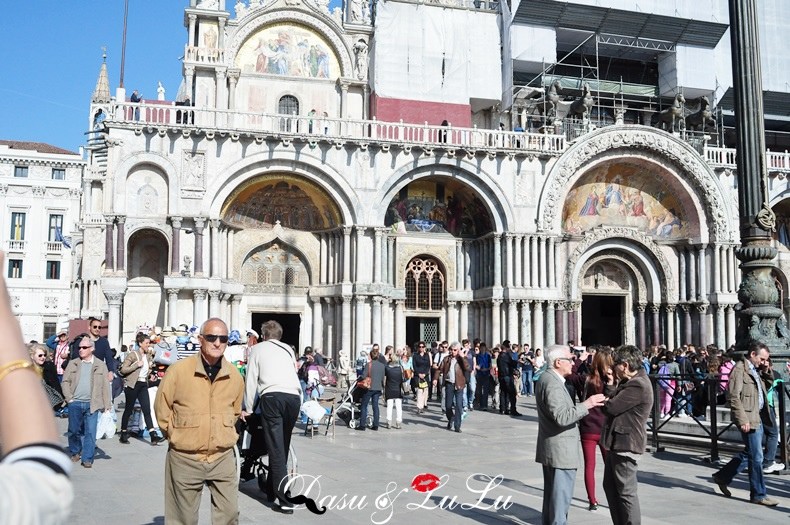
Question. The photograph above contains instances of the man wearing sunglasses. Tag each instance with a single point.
(197, 406)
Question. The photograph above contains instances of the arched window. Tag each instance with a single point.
(424, 285)
(288, 105)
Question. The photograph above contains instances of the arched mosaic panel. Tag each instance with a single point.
(294, 202)
(629, 193)
(438, 206)
(288, 49)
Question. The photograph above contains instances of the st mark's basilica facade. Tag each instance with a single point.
(304, 174)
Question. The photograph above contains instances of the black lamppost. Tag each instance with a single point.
(759, 318)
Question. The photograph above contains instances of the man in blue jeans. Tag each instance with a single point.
(85, 389)
(749, 406)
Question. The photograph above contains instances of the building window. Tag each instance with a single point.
(14, 269)
(288, 105)
(17, 226)
(20, 171)
(53, 270)
(55, 228)
(49, 330)
(58, 174)
(424, 285)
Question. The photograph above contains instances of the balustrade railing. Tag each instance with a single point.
(207, 55)
(54, 247)
(16, 246)
(725, 157)
(331, 129)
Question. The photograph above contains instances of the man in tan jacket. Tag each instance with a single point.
(197, 406)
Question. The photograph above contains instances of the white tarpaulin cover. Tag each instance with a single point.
(436, 53)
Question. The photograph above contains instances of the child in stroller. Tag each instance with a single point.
(349, 406)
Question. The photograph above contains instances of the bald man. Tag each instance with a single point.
(197, 406)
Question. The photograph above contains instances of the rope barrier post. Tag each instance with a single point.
(714, 419)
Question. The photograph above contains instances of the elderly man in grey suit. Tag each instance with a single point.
(558, 436)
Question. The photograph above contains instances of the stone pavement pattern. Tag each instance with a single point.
(125, 485)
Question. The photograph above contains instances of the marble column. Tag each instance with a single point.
(175, 251)
(551, 275)
(467, 266)
(550, 330)
(235, 312)
(497, 260)
(233, 79)
(452, 322)
(670, 337)
(199, 307)
(400, 324)
(200, 224)
(512, 320)
(730, 326)
(655, 309)
(376, 319)
(172, 306)
(561, 332)
(343, 99)
(537, 324)
(346, 255)
(389, 265)
(525, 333)
(225, 308)
(109, 248)
(318, 324)
(533, 262)
(573, 321)
(518, 277)
(114, 301)
(641, 328)
(360, 331)
(345, 324)
(702, 309)
(693, 272)
(464, 320)
(189, 77)
(682, 273)
(377, 258)
(192, 23)
(686, 308)
(721, 337)
(231, 249)
(120, 244)
(542, 262)
(459, 265)
(214, 247)
(213, 304)
(716, 268)
(703, 273)
(496, 317)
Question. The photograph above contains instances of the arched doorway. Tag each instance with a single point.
(145, 299)
(607, 297)
(425, 299)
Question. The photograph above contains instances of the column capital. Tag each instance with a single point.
(344, 299)
(464, 304)
(214, 294)
(120, 219)
(235, 299)
(670, 308)
(719, 307)
(234, 74)
(451, 304)
(192, 18)
(685, 307)
(550, 303)
(378, 301)
(573, 305)
(702, 307)
(189, 70)
(641, 307)
(524, 303)
(359, 299)
(176, 220)
(226, 297)
(400, 303)
(110, 219)
(497, 236)
(496, 302)
(344, 84)
(173, 291)
(200, 223)
(347, 230)
(199, 294)
(114, 298)
(655, 308)
(730, 307)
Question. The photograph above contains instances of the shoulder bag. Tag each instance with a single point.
(365, 382)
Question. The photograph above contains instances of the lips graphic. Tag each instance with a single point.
(425, 482)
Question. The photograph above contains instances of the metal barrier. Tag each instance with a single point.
(710, 426)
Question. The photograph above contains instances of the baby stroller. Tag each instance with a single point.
(349, 405)
(253, 455)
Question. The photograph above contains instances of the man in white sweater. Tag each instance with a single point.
(271, 376)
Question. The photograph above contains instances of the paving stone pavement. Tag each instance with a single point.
(365, 478)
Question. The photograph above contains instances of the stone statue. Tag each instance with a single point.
(361, 52)
(160, 91)
(355, 13)
(187, 271)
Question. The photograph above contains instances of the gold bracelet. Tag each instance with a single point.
(19, 364)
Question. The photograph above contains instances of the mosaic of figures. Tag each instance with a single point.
(292, 202)
(290, 50)
(439, 207)
(626, 193)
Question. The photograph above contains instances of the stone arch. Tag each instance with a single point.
(662, 148)
(329, 180)
(303, 244)
(298, 15)
(274, 266)
(623, 261)
(640, 249)
(429, 280)
(159, 163)
(486, 188)
(147, 265)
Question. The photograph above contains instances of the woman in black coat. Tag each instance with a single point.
(393, 390)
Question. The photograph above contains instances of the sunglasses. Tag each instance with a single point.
(40, 355)
(85, 347)
(212, 338)
(95, 327)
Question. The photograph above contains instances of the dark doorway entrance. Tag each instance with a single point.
(421, 329)
(289, 322)
(602, 319)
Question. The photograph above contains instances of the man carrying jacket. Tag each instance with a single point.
(453, 369)
(749, 407)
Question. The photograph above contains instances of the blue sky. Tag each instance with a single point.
(50, 54)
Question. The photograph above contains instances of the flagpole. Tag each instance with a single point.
(123, 41)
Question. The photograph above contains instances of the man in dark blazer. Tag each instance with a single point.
(558, 445)
(624, 435)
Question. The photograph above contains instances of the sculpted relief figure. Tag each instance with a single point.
(361, 52)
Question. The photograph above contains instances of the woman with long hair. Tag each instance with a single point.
(135, 370)
(600, 380)
(39, 354)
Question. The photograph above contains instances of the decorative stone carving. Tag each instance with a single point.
(15, 302)
(193, 174)
(595, 235)
(50, 302)
(655, 308)
(114, 298)
(39, 191)
(200, 295)
(662, 146)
